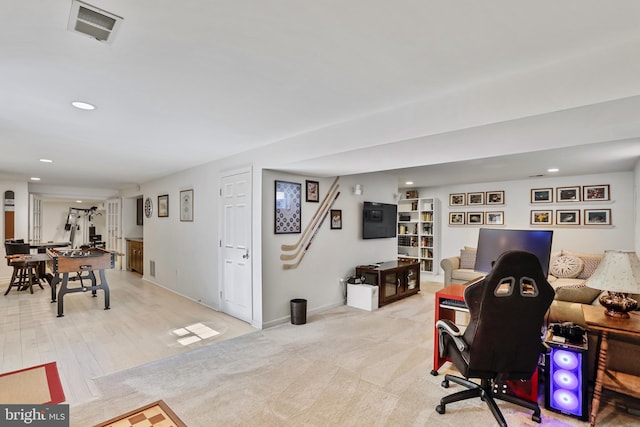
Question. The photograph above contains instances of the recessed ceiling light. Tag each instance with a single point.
(78, 201)
(35, 178)
(553, 170)
(409, 182)
(83, 105)
(46, 160)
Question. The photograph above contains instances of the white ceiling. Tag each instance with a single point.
(188, 82)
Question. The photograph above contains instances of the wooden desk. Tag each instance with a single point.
(598, 322)
(445, 311)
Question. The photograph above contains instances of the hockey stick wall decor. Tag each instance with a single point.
(315, 218)
(310, 230)
(296, 264)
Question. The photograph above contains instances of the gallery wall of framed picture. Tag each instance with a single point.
(571, 203)
(483, 206)
(570, 206)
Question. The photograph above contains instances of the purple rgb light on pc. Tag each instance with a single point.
(566, 381)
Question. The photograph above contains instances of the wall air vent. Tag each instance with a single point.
(93, 22)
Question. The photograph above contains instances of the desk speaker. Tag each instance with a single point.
(566, 380)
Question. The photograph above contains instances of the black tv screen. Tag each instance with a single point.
(379, 220)
(492, 242)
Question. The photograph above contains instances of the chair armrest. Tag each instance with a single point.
(448, 327)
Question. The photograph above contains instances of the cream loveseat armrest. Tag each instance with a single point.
(448, 265)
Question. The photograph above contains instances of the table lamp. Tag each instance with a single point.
(619, 274)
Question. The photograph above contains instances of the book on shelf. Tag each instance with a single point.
(427, 216)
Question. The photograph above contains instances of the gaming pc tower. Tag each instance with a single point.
(566, 378)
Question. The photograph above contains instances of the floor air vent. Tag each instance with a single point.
(152, 268)
(93, 22)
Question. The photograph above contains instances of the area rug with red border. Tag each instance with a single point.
(35, 385)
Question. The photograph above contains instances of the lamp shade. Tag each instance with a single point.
(619, 271)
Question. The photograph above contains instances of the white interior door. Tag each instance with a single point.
(114, 227)
(235, 245)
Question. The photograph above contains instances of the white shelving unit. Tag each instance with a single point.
(418, 232)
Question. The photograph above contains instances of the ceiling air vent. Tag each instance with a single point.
(93, 22)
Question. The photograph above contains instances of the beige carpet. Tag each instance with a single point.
(345, 367)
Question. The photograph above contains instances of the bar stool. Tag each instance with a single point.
(24, 272)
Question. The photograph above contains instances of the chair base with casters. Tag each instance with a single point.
(488, 391)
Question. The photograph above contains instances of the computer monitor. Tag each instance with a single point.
(492, 242)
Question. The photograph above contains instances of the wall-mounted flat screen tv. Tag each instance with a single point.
(492, 242)
(379, 220)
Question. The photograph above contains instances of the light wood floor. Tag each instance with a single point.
(89, 342)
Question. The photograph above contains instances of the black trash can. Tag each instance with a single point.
(298, 311)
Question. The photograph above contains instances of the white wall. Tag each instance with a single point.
(185, 253)
(21, 221)
(517, 207)
(333, 254)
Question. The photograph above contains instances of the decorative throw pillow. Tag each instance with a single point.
(590, 265)
(582, 295)
(468, 258)
(553, 257)
(566, 266)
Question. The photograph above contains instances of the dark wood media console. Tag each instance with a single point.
(395, 279)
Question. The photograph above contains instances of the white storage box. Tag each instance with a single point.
(363, 296)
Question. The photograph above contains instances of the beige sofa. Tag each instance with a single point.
(568, 272)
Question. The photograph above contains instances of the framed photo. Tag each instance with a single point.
(597, 216)
(287, 207)
(568, 194)
(542, 217)
(568, 217)
(163, 206)
(475, 199)
(457, 199)
(542, 195)
(595, 192)
(456, 218)
(336, 219)
(313, 191)
(186, 205)
(475, 218)
(494, 218)
(495, 197)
